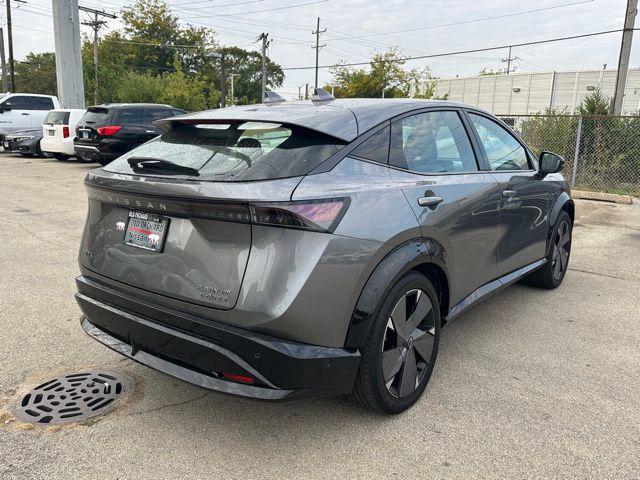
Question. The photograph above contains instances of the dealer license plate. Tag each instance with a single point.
(146, 231)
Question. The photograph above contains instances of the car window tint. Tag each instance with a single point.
(57, 118)
(432, 142)
(238, 151)
(131, 116)
(375, 148)
(154, 114)
(18, 102)
(95, 116)
(503, 151)
(40, 103)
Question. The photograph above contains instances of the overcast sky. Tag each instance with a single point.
(358, 28)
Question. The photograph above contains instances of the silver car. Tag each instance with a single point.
(314, 248)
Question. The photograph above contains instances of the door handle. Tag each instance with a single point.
(508, 193)
(150, 131)
(429, 201)
(25, 113)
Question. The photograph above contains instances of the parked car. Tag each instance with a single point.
(58, 132)
(24, 111)
(26, 143)
(107, 131)
(315, 248)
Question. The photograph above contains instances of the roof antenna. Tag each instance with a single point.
(321, 95)
(272, 97)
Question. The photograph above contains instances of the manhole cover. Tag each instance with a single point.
(73, 398)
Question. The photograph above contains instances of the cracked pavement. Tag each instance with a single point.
(530, 384)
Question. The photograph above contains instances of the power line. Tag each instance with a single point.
(461, 52)
(96, 25)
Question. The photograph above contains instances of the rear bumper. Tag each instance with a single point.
(57, 145)
(199, 351)
(96, 151)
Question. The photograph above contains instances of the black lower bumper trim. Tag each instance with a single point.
(281, 369)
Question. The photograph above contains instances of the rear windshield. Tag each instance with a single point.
(95, 116)
(238, 151)
(57, 118)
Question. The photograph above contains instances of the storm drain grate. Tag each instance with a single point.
(73, 398)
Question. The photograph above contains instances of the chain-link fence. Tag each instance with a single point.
(602, 153)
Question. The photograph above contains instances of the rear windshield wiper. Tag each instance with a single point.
(150, 163)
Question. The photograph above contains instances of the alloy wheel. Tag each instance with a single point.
(408, 343)
(561, 249)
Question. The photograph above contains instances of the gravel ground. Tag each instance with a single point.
(530, 384)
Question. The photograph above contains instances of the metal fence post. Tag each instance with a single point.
(577, 153)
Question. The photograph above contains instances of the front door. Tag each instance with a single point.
(18, 117)
(455, 203)
(524, 206)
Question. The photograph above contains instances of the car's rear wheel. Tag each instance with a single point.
(553, 272)
(401, 349)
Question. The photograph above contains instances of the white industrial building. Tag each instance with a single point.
(530, 93)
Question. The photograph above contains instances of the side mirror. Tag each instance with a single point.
(550, 163)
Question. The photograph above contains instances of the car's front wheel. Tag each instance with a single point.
(553, 272)
(400, 351)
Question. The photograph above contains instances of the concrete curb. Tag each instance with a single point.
(603, 197)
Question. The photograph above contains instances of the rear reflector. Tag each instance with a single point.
(238, 378)
(319, 215)
(108, 130)
(65, 131)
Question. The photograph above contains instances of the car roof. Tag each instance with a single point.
(132, 105)
(28, 94)
(345, 119)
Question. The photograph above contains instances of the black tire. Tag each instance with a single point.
(60, 157)
(104, 161)
(385, 342)
(551, 275)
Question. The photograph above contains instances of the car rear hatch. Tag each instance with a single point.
(93, 124)
(175, 215)
(56, 125)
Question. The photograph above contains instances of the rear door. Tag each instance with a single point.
(39, 108)
(54, 123)
(455, 202)
(87, 128)
(525, 199)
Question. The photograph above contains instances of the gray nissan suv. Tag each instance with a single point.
(289, 250)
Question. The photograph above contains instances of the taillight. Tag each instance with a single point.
(65, 131)
(108, 131)
(238, 378)
(317, 215)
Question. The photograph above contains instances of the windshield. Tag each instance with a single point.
(57, 118)
(238, 151)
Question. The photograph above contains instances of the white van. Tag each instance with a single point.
(24, 111)
(59, 130)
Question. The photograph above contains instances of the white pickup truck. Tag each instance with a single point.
(24, 111)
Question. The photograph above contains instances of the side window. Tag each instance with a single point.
(131, 116)
(17, 102)
(503, 151)
(40, 103)
(154, 114)
(432, 142)
(375, 148)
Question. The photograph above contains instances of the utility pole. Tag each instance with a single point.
(95, 24)
(306, 91)
(66, 32)
(265, 44)
(625, 52)
(317, 33)
(223, 80)
(10, 40)
(232, 92)
(508, 61)
(5, 87)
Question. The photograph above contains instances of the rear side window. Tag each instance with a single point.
(57, 118)
(432, 142)
(40, 103)
(375, 148)
(238, 151)
(130, 116)
(154, 114)
(95, 116)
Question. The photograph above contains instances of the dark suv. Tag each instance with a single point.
(107, 131)
(315, 248)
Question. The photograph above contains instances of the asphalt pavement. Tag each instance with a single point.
(530, 384)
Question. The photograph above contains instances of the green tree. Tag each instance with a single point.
(183, 91)
(384, 77)
(596, 103)
(37, 74)
(489, 72)
(140, 88)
